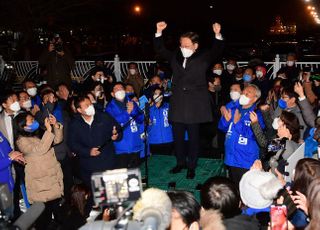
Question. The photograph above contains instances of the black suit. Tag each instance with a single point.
(190, 103)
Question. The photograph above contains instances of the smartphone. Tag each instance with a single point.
(278, 217)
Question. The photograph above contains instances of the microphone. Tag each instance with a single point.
(30, 216)
(153, 209)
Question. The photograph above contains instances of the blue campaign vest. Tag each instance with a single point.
(160, 130)
(5, 167)
(131, 141)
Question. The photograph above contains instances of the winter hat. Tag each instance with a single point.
(258, 188)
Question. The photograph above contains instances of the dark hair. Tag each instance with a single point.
(78, 197)
(27, 80)
(78, 100)
(46, 92)
(96, 69)
(94, 85)
(220, 193)
(292, 123)
(61, 84)
(6, 96)
(313, 200)
(118, 83)
(186, 205)
(19, 122)
(194, 37)
(133, 63)
(306, 171)
(289, 91)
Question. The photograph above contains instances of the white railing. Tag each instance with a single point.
(29, 69)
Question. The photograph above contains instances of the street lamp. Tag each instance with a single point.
(137, 9)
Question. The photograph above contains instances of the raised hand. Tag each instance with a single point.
(129, 107)
(161, 26)
(47, 124)
(298, 88)
(253, 117)
(237, 116)
(227, 115)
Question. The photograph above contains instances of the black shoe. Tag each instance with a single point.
(191, 173)
(177, 169)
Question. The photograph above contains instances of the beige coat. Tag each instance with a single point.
(43, 174)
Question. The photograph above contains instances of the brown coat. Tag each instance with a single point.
(43, 174)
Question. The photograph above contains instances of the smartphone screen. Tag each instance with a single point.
(278, 217)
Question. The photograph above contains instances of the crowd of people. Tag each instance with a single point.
(54, 136)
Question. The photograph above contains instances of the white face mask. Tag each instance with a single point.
(120, 95)
(132, 71)
(15, 107)
(259, 74)
(0, 108)
(157, 98)
(290, 63)
(275, 123)
(234, 95)
(90, 111)
(186, 52)
(217, 71)
(32, 91)
(27, 104)
(244, 100)
(231, 67)
(102, 80)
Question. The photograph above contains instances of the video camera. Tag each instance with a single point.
(116, 186)
(275, 160)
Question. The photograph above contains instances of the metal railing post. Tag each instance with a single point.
(276, 66)
(117, 67)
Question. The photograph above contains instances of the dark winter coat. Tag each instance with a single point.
(190, 100)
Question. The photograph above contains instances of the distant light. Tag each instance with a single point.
(309, 7)
(307, 0)
(211, 6)
(137, 9)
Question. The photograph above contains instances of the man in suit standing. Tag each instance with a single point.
(190, 102)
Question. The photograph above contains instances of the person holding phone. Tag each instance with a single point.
(43, 173)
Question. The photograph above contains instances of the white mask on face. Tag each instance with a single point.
(234, 95)
(32, 91)
(90, 111)
(186, 52)
(132, 71)
(259, 74)
(27, 104)
(290, 63)
(275, 123)
(244, 100)
(120, 95)
(0, 108)
(102, 80)
(231, 67)
(15, 107)
(157, 98)
(217, 71)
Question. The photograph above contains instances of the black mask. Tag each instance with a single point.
(50, 106)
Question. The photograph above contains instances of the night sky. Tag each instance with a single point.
(237, 16)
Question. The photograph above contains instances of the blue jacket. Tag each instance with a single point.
(160, 130)
(83, 137)
(5, 162)
(241, 148)
(131, 126)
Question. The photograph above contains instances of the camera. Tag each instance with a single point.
(58, 47)
(116, 186)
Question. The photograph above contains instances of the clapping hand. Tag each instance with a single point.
(114, 134)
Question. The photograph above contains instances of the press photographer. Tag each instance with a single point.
(56, 62)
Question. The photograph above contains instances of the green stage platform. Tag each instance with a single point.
(159, 176)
